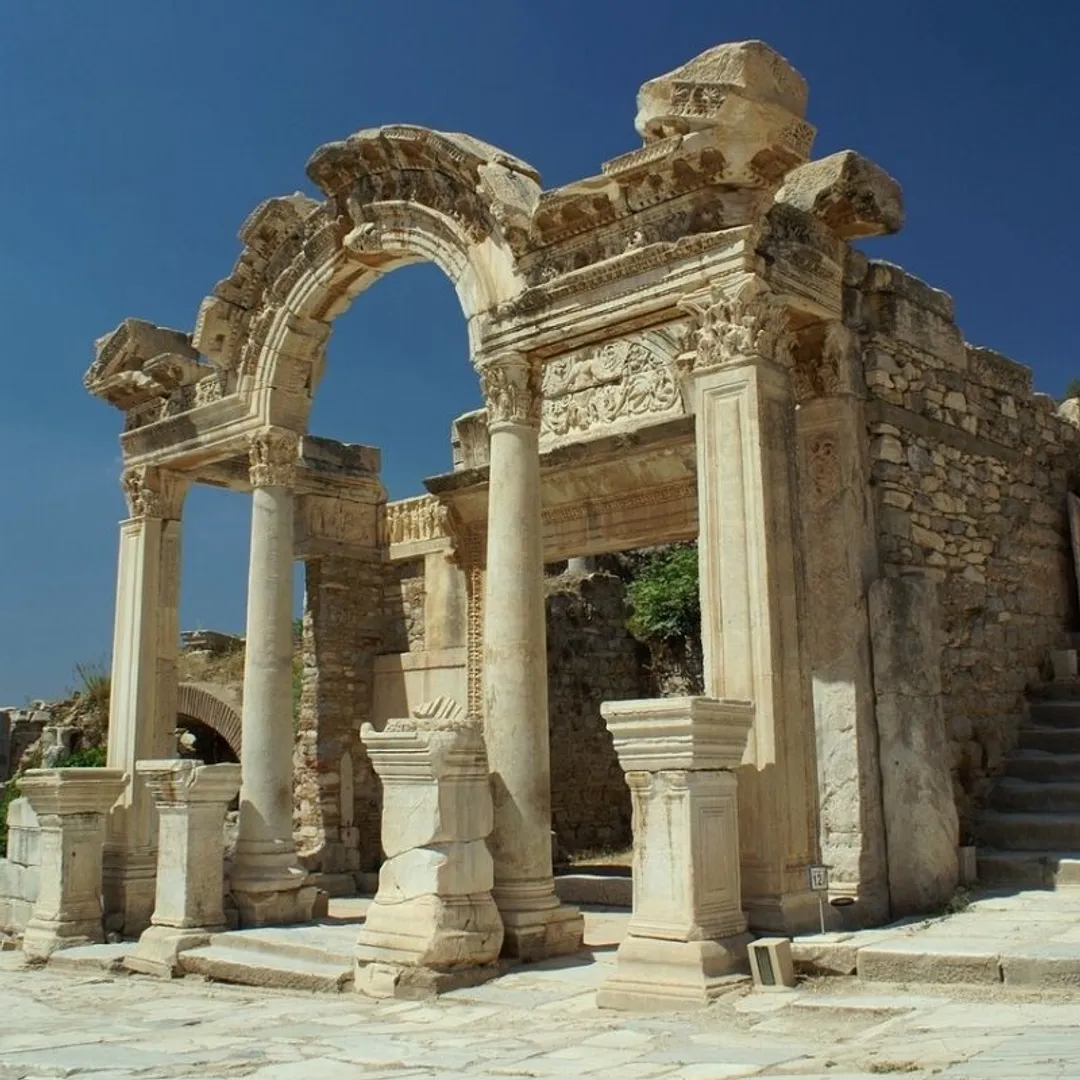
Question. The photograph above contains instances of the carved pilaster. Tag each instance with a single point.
(512, 392)
(153, 492)
(273, 455)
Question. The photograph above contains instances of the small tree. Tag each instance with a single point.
(1072, 389)
(664, 597)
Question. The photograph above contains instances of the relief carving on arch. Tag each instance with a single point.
(607, 386)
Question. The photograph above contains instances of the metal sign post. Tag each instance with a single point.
(818, 880)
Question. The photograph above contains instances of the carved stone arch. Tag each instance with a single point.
(395, 195)
(205, 706)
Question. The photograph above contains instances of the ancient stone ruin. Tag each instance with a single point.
(685, 346)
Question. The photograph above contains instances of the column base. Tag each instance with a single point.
(531, 935)
(159, 949)
(275, 906)
(433, 932)
(128, 884)
(418, 983)
(656, 975)
(43, 937)
(785, 915)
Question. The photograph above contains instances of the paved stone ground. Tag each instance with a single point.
(538, 1021)
(1028, 937)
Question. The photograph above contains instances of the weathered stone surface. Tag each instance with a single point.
(852, 195)
(921, 823)
(70, 805)
(434, 908)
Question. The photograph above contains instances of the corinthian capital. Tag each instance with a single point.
(749, 323)
(511, 389)
(152, 492)
(273, 455)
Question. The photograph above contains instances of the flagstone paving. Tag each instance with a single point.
(538, 1021)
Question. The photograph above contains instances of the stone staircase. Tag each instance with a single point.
(1030, 834)
(316, 956)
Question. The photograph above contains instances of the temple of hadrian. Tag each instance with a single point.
(688, 345)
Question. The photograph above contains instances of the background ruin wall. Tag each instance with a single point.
(969, 473)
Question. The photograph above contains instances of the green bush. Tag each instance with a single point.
(89, 757)
(663, 595)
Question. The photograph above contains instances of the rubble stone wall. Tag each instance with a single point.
(970, 469)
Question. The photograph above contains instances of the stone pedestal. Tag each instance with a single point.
(268, 883)
(71, 805)
(687, 933)
(515, 671)
(143, 704)
(191, 800)
(433, 924)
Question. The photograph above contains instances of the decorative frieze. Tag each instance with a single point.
(602, 387)
(413, 520)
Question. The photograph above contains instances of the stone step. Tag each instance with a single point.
(1039, 869)
(1051, 739)
(1010, 831)
(1063, 690)
(320, 943)
(1040, 765)
(1011, 793)
(1055, 713)
(591, 887)
(251, 967)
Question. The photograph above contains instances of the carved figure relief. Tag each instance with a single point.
(423, 518)
(599, 387)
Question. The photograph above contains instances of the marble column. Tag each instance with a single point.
(754, 629)
(268, 882)
(515, 670)
(71, 805)
(143, 700)
(191, 800)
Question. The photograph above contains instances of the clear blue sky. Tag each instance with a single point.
(135, 137)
